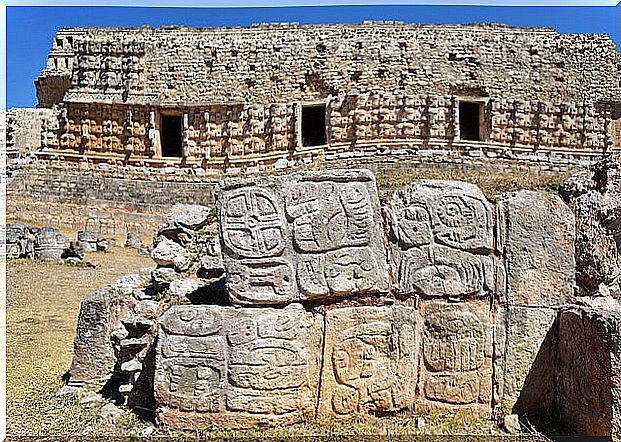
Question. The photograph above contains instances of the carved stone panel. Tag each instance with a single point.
(302, 237)
(442, 240)
(237, 367)
(370, 360)
(456, 357)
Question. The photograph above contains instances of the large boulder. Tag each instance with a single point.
(589, 370)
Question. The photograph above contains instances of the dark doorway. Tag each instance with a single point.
(314, 125)
(470, 119)
(171, 136)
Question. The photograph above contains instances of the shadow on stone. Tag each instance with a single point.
(537, 400)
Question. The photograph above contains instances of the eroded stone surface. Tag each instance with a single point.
(189, 215)
(537, 238)
(238, 367)
(456, 354)
(589, 377)
(370, 360)
(301, 237)
(441, 240)
(99, 324)
(596, 198)
(525, 342)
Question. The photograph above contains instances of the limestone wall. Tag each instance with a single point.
(111, 197)
(279, 63)
(24, 129)
(110, 202)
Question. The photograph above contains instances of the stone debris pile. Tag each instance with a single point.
(47, 244)
(336, 305)
(595, 196)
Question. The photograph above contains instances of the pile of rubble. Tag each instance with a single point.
(120, 319)
(47, 244)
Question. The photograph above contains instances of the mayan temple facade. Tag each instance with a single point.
(245, 98)
(134, 120)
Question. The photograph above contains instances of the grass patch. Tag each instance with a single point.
(43, 300)
(491, 183)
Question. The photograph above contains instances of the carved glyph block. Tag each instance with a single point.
(441, 240)
(301, 237)
(456, 360)
(370, 360)
(236, 367)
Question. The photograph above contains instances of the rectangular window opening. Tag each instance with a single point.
(314, 125)
(171, 136)
(471, 121)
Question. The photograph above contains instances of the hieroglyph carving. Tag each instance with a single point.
(442, 240)
(370, 360)
(236, 366)
(302, 236)
(457, 353)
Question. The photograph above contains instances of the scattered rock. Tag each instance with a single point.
(161, 277)
(91, 399)
(49, 245)
(189, 215)
(420, 422)
(75, 250)
(168, 253)
(147, 431)
(69, 390)
(511, 424)
(185, 287)
(103, 245)
(88, 240)
(133, 240)
(110, 413)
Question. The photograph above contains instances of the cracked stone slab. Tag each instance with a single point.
(537, 237)
(589, 371)
(306, 236)
(237, 367)
(524, 341)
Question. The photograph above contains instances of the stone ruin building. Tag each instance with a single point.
(166, 112)
(309, 297)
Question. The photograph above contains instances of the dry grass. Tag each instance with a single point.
(492, 183)
(42, 306)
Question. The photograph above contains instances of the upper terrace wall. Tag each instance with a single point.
(284, 63)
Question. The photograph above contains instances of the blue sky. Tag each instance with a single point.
(29, 30)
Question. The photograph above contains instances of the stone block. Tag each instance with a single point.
(456, 355)
(237, 367)
(524, 343)
(589, 371)
(441, 240)
(537, 239)
(310, 236)
(369, 361)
